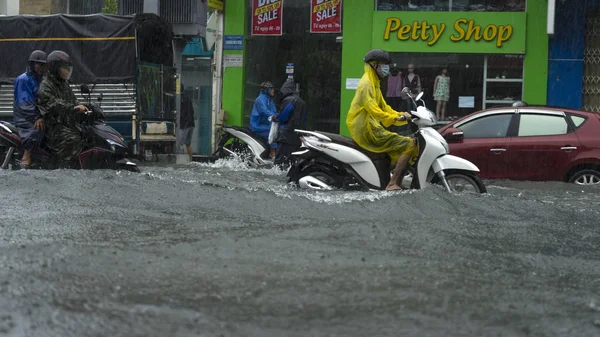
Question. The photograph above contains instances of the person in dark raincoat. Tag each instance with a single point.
(264, 107)
(60, 109)
(25, 112)
(293, 116)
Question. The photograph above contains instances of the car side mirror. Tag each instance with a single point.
(454, 135)
(84, 89)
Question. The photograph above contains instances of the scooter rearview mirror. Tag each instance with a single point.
(84, 89)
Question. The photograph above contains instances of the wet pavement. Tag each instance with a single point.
(222, 250)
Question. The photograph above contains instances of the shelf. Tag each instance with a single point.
(508, 80)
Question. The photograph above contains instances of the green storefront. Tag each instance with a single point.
(495, 52)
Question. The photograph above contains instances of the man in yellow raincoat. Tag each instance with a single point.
(369, 116)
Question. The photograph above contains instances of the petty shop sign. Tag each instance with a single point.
(267, 17)
(326, 16)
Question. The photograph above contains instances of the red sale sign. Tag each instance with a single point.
(267, 17)
(326, 16)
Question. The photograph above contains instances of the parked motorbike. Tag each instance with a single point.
(104, 147)
(239, 142)
(330, 161)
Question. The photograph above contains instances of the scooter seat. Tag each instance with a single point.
(349, 142)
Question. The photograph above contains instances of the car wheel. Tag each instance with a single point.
(586, 177)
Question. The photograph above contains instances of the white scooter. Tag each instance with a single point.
(330, 161)
(242, 143)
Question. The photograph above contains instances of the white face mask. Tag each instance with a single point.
(384, 70)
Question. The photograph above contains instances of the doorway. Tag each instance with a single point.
(196, 76)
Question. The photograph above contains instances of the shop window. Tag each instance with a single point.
(542, 125)
(503, 80)
(465, 73)
(452, 5)
(316, 60)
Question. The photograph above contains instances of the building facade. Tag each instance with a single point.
(9, 7)
(574, 65)
(495, 52)
(45, 7)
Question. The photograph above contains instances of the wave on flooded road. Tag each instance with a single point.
(221, 249)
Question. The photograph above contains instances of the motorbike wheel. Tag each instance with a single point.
(130, 168)
(11, 164)
(320, 173)
(465, 182)
(227, 150)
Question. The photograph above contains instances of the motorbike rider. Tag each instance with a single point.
(25, 112)
(264, 107)
(369, 116)
(293, 116)
(60, 109)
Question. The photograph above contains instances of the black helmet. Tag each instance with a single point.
(378, 55)
(519, 103)
(37, 56)
(58, 59)
(266, 85)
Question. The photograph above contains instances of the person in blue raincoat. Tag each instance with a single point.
(264, 107)
(25, 112)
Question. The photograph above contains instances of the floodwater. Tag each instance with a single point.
(223, 250)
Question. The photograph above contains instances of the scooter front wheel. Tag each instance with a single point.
(465, 182)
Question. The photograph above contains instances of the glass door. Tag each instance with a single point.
(197, 79)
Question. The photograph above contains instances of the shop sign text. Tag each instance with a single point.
(326, 16)
(267, 17)
(463, 30)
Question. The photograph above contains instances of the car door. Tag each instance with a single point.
(543, 146)
(485, 142)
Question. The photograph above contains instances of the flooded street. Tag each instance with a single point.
(222, 250)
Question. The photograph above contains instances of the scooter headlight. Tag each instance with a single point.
(432, 117)
(114, 145)
(112, 142)
(441, 139)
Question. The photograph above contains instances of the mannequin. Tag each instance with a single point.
(394, 87)
(413, 82)
(441, 89)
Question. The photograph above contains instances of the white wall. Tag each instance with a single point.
(9, 7)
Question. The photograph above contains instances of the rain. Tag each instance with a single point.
(161, 239)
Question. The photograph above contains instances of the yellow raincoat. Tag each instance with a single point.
(367, 114)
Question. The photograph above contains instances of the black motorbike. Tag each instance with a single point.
(103, 148)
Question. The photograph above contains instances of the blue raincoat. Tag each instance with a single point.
(25, 111)
(263, 108)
